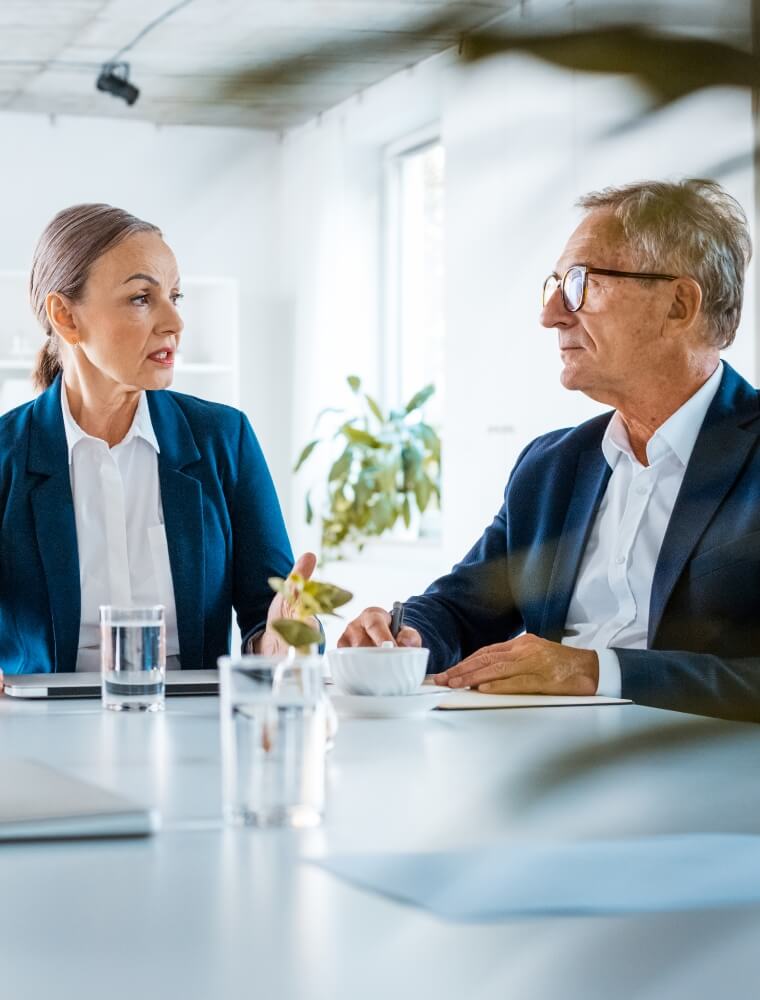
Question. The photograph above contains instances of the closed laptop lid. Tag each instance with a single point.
(82, 684)
(41, 802)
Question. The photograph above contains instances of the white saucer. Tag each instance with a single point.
(398, 706)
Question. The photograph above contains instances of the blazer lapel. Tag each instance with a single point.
(55, 524)
(591, 478)
(182, 502)
(719, 453)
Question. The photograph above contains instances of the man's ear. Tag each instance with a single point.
(61, 317)
(687, 302)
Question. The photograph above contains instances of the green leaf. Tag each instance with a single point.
(374, 408)
(354, 382)
(419, 398)
(381, 514)
(429, 438)
(325, 411)
(305, 453)
(341, 467)
(309, 509)
(327, 596)
(296, 633)
(356, 436)
(277, 584)
(406, 511)
(411, 461)
(422, 490)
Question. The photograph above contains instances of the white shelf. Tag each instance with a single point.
(24, 365)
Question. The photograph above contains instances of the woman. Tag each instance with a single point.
(116, 491)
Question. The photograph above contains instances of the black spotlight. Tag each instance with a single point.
(114, 79)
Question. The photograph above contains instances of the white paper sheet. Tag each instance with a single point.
(477, 699)
(642, 875)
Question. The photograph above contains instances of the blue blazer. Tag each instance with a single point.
(224, 530)
(703, 650)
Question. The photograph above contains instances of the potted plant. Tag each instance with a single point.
(386, 468)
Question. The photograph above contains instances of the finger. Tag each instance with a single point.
(377, 625)
(488, 672)
(357, 631)
(354, 637)
(408, 637)
(305, 565)
(486, 657)
(518, 684)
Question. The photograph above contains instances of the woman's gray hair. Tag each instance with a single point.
(71, 243)
(691, 228)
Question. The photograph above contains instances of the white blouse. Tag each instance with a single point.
(121, 539)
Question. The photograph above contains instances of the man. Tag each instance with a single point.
(626, 557)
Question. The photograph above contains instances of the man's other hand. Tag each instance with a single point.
(526, 665)
(373, 628)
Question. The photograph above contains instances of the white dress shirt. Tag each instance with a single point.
(610, 603)
(121, 540)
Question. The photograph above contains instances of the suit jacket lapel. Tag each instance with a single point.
(720, 451)
(182, 501)
(55, 524)
(591, 478)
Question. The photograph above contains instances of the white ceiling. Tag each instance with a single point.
(255, 63)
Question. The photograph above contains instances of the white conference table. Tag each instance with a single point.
(203, 912)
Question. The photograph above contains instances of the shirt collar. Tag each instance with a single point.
(677, 435)
(141, 427)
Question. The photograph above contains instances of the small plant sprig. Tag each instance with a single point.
(305, 599)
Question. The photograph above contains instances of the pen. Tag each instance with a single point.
(397, 618)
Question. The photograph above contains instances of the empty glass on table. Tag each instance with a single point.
(273, 740)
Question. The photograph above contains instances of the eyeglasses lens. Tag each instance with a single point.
(550, 287)
(572, 288)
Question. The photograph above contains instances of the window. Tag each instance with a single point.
(413, 346)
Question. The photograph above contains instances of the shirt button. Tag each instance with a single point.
(620, 560)
(642, 491)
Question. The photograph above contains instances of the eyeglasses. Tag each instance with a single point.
(574, 281)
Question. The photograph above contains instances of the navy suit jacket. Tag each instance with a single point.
(703, 649)
(224, 530)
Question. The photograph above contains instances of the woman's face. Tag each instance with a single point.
(127, 321)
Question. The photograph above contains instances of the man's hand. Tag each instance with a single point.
(526, 665)
(372, 628)
(269, 642)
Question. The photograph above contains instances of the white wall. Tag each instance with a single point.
(522, 142)
(214, 193)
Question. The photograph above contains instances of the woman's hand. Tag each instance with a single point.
(269, 643)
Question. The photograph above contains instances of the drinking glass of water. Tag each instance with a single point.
(133, 658)
(273, 740)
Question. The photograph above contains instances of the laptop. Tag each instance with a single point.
(82, 684)
(38, 802)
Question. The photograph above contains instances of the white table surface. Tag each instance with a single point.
(203, 912)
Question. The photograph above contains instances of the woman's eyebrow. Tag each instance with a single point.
(141, 277)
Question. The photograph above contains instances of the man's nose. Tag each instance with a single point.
(554, 313)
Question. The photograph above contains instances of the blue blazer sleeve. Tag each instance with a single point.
(260, 542)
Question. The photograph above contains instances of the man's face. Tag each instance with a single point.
(618, 333)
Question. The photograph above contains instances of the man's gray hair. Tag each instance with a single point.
(692, 228)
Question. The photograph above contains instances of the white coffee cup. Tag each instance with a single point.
(378, 670)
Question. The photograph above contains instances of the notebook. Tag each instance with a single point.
(38, 802)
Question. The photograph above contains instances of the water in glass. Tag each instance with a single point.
(133, 658)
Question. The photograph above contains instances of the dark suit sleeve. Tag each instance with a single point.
(473, 605)
(700, 683)
(260, 542)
